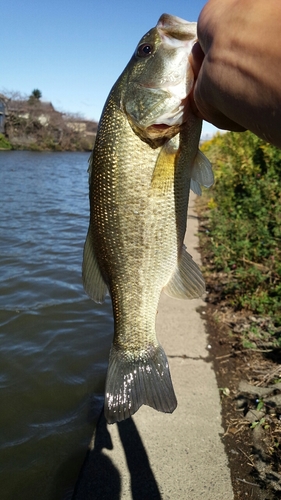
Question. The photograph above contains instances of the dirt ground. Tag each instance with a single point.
(250, 387)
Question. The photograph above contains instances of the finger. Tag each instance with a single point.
(201, 106)
(196, 58)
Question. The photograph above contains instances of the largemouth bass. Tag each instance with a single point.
(143, 163)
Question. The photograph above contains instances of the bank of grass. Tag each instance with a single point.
(4, 143)
(242, 227)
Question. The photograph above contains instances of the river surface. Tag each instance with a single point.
(54, 341)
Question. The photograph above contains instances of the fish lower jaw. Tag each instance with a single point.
(175, 30)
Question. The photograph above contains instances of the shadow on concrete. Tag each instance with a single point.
(100, 479)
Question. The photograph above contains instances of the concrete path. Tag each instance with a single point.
(161, 456)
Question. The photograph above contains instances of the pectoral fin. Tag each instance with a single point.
(201, 173)
(187, 281)
(164, 171)
(93, 281)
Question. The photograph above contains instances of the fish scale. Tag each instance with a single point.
(140, 178)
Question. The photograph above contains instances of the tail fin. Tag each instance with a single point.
(132, 382)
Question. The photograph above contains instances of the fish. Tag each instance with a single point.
(144, 162)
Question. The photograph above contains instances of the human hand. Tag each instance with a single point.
(209, 95)
(237, 66)
(202, 104)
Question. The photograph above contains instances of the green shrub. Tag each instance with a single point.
(245, 220)
(4, 143)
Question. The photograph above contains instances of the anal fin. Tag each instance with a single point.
(201, 173)
(187, 281)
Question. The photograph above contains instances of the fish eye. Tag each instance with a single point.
(144, 50)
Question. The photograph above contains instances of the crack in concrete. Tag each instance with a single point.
(184, 356)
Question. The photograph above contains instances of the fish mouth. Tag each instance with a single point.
(176, 29)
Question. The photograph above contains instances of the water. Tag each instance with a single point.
(54, 341)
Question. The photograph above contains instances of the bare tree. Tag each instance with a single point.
(31, 123)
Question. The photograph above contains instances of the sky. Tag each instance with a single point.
(73, 52)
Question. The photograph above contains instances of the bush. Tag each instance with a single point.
(4, 143)
(244, 211)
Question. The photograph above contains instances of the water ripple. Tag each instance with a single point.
(54, 341)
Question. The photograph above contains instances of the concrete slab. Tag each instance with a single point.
(162, 456)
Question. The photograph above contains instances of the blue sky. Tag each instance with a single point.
(74, 51)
